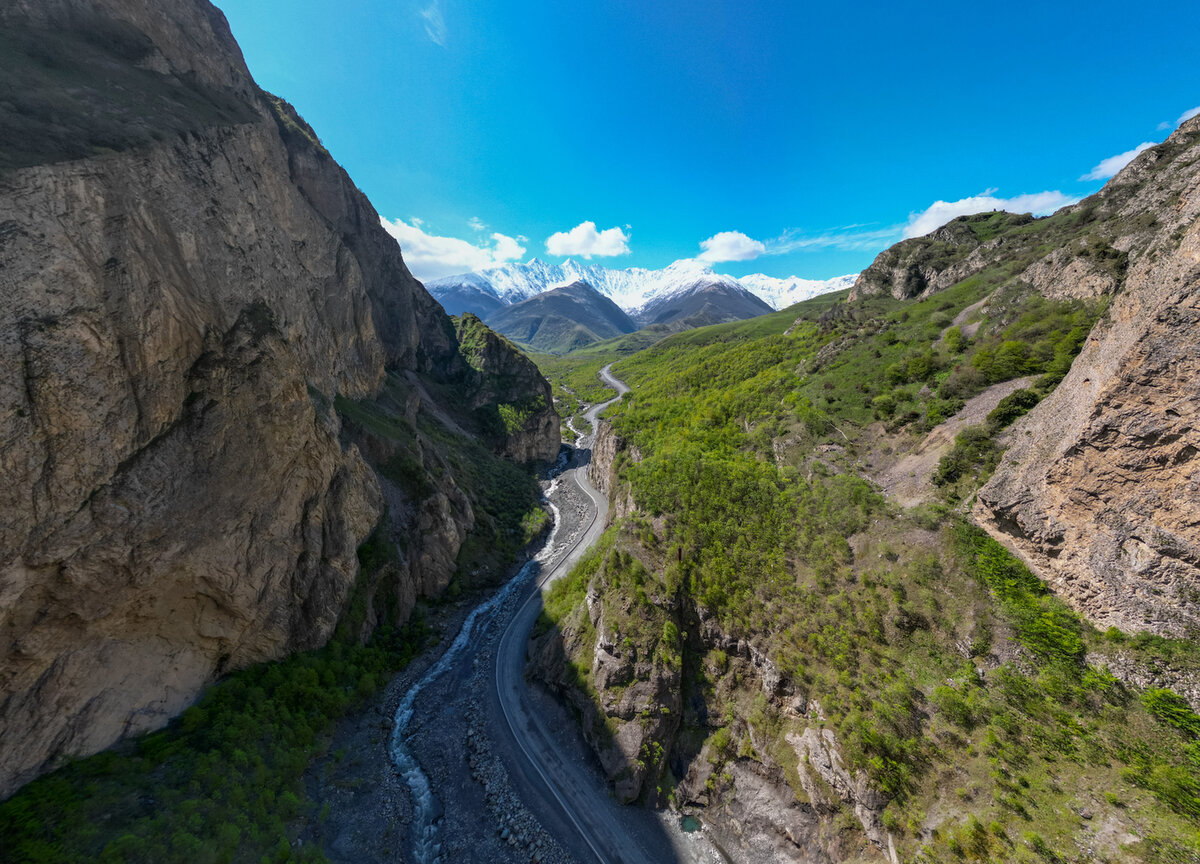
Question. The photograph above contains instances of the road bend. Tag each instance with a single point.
(585, 806)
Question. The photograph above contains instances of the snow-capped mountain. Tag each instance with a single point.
(633, 289)
(782, 293)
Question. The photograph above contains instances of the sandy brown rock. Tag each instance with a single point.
(179, 498)
(602, 470)
(1099, 491)
(1064, 274)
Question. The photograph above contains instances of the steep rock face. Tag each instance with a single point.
(636, 679)
(1098, 490)
(512, 398)
(925, 265)
(179, 311)
(606, 444)
(602, 468)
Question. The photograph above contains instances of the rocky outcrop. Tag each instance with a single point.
(182, 306)
(602, 470)
(607, 445)
(1097, 492)
(631, 715)
(925, 265)
(1080, 252)
(512, 399)
(1064, 273)
(818, 752)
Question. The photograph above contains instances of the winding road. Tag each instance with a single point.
(588, 809)
(478, 746)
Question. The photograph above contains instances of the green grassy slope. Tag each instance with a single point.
(949, 674)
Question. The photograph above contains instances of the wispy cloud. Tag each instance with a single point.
(731, 246)
(736, 246)
(477, 224)
(1183, 118)
(939, 213)
(430, 256)
(435, 24)
(585, 241)
(1113, 164)
(847, 238)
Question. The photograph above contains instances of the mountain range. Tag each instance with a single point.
(562, 319)
(636, 290)
(683, 295)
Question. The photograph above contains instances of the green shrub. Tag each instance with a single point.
(974, 454)
(1012, 406)
(1169, 707)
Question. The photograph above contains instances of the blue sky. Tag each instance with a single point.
(782, 138)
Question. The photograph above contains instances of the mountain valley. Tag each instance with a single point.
(684, 295)
(304, 560)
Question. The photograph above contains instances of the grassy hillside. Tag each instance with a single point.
(949, 675)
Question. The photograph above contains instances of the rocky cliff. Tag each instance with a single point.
(191, 284)
(1097, 491)
(607, 447)
(507, 394)
(636, 661)
(1094, 492)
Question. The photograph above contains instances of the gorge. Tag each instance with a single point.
(296, 567)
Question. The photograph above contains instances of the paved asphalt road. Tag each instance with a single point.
(568, 787)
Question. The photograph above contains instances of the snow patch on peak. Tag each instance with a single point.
(781, 293)
(634, 287)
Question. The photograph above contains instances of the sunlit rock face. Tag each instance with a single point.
(186, 290)
(1100, 489)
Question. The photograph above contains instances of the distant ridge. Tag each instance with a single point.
(562, 319)
(635, 290)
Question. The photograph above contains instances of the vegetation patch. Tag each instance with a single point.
(223, 782)
(948, 672)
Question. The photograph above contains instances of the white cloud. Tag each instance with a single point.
(1110, 166)
(939, 213)
(477, 224)
(731, 246)
(506, 248)
(848, 238)
(1183, 118)
(435, 24)
(431, 257)
(584, 240)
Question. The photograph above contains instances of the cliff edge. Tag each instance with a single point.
(1097, 490)
(191, 284)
